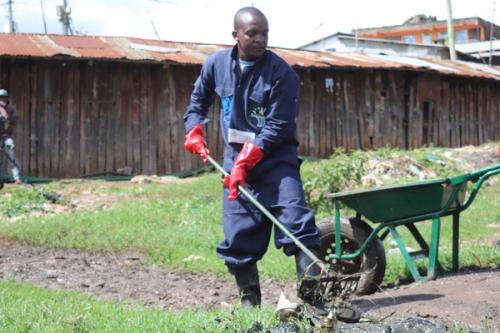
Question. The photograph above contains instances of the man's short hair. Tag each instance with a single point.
(245, 10)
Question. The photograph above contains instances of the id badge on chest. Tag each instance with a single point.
(237, 136)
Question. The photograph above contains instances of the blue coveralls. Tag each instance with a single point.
(258, 105)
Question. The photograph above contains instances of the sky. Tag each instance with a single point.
(292, 23)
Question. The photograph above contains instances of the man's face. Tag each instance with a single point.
(251, 37)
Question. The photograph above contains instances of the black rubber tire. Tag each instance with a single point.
(353, 234)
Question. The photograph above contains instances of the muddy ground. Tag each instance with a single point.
(468, 299)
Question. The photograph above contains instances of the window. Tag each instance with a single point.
(329, 84)
(409, 38)
(442, 37)
(474, 34)
(427, 38)
(461, 36)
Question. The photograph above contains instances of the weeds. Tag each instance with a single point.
(21, 200)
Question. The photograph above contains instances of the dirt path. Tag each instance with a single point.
(121, 277)
(471, 300)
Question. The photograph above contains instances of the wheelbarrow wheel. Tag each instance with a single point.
(370, 265)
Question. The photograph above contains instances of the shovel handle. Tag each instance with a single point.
(270, 216)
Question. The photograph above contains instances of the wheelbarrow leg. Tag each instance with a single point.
(456, 221)
(406, 255)
(434, 248)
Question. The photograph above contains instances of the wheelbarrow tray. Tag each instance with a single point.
(395, 206)
(396, 202)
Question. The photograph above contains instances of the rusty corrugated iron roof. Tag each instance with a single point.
(137, 49)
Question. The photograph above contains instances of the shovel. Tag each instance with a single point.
(275, 221)
(340, 312)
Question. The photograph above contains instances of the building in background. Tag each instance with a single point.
(342, 42)
(487, 52)
(91, 105)
(428, 30)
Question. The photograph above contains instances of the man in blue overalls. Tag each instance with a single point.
(258, 92)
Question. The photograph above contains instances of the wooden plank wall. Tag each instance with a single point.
(368, 109)
(80, 118)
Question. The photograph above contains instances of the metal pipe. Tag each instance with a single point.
(277, 223)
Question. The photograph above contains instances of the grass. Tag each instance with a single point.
(178, 226)
(21, 201)
(24, 308)
(169, 223)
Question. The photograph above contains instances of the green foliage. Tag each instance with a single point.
(21, 200)
(344, 171)
(178, 225)
(24, 308)
(332, 175)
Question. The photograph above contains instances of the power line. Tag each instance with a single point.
(187, 4)
(154, 29)
(27, 2)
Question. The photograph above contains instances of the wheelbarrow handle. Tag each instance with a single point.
(277, 223)
(479, 177)
(488, 171)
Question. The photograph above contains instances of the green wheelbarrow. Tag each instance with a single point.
(361, 250)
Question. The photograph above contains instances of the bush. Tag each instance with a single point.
(332, 175)
(21, 200)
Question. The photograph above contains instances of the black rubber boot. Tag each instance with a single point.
(304, 266)
(306, 274)
(247, 280)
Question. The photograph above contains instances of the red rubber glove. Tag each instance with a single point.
(195, 142)
(248, 157)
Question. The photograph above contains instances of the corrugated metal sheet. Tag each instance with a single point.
(136, 49)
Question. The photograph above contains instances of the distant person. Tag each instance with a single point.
(259, 101)
(8, 121)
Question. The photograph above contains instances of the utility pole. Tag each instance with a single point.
(492, 27)
(42, 6)
(12, 25)
(64, 17)
(451, 32)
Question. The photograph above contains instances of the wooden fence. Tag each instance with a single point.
(80, 117)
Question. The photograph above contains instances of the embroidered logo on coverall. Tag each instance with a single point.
(259, 114)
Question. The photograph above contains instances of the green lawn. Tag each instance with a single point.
(170, 222)
(24, 308)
